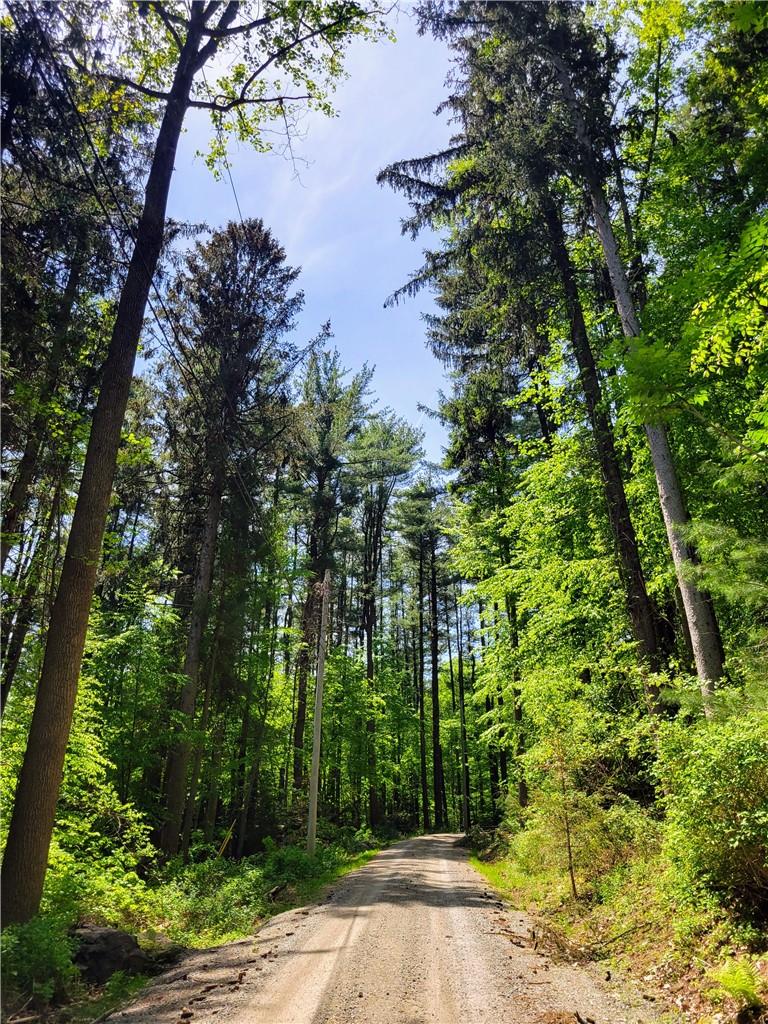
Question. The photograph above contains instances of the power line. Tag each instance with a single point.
(225, 157)
(168, 347)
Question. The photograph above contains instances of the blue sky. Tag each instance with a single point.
(335, 221)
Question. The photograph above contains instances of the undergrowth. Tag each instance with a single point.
(199, 904)
(674, 893)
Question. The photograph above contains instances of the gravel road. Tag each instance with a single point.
(414, 937)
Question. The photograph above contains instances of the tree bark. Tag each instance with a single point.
(419, 671)
(641, 611)
(465, 821)
(193, 800)
(699, 612)
(26, 607)
(438, 781)
(178, 758)
(18, 495)
(212, 797)
(34, 810)
(317, 725)
(373, 520)
(302, 671)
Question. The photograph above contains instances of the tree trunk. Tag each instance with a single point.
(372, 525)
(437, 750)
(302, 671)
(465, 822)
(700, 614)
(641, 611)
(25, 472)
(517, 711)
(34, 811)
(178, 758)
(193, 800)
(212, 797)
(317, 730)
(419, 672)
(25, 610)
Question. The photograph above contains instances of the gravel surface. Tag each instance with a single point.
(414, 937)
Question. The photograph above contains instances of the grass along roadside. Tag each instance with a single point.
(196, 906)
(692, 961)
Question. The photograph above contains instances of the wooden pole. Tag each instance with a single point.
(314, 779)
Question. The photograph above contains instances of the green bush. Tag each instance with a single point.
(351, 839)
(603, 838)
(715, 781)
(37, 960)
(211, 901)
(363, 839)
(96, 891)
(290, 863)
(197, 904)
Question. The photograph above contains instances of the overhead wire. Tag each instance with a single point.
(185, 369)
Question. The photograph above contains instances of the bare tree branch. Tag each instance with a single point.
(226, 107)
(167, 20)
(222, 33)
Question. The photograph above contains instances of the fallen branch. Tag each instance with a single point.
(628, 931)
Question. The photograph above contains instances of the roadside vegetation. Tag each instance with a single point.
(670, 894)
(170, 907)
(556, 642)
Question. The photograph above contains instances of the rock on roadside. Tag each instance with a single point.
(103, 951)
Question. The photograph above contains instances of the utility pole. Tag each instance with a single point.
(314, 779)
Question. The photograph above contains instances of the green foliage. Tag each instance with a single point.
(212, 901)
(605, 776)
(603, 838)
(37, 960)
(198, 904)
(739, 980)
(218, 899)
(715, 783)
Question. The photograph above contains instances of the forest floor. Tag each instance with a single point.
(414, 937)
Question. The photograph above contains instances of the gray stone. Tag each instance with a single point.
(103, 951)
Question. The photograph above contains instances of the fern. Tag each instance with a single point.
(738, 979)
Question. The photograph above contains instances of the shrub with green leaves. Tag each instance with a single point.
(37, 961)
(602, 837)
(715, 781)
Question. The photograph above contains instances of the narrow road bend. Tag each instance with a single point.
(414, 937)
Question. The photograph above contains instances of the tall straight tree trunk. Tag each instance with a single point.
(642, 613)
(702, 624)
(450, 657)
(212, 796)
(34, 809)
(478, 740)
(419, 672)
(374, 802)
(493, 750)
(253, 775)
(14, 639)
(465, 822)
(517, 711)
(178, 758)
(241, 773)
(193, 800)
(250, 774)
(437, 750)
(317, 725)
(373, 520)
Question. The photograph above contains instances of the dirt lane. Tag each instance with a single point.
(412, 938)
